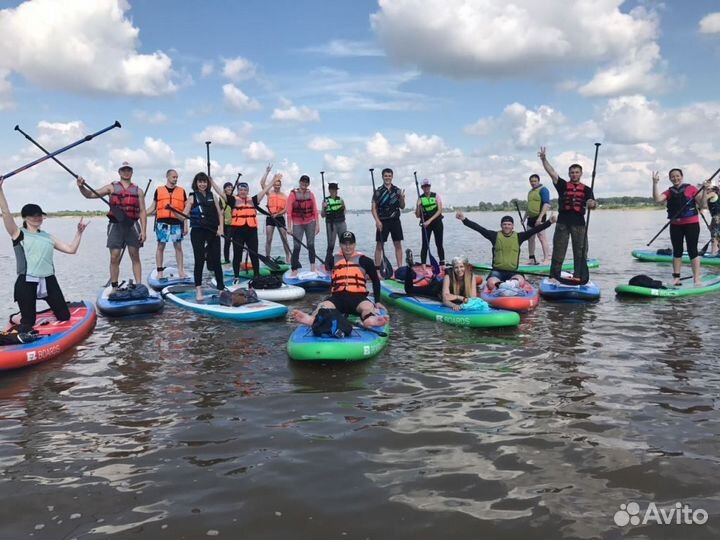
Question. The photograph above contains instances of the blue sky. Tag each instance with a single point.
(462, 91)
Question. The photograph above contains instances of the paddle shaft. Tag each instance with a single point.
(277, 224)
(585, 272)
(522, 221)
(207, 152)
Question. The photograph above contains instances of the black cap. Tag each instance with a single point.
(332, 185)
(31, 210)
(227, 184)
(347, 238)
(507, 218)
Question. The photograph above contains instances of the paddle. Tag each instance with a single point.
(328, 253)
(277, 224)
(207, 151)
(272, 265)
(677, 214)
(378, 332)
(433, 261)
(386, 270)
(522, 221)
(60, 151)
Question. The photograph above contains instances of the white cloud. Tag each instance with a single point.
(81, 46)
(483, 126)
(155, 155)
(237, 100)
(495, 38)
(528, 127)
(290, 113)
(53, 135)
(379, 148)
(632, 120)
(339, 163)
(258, 151)
(238, 69)
(423, 145)
(341, 48)
(207, 69)
(322, 144)
(153, 119)
(224, 136)
(710, 24)
(6, 93)
(634, 73)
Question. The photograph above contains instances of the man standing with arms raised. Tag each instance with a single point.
(387, 203)
(128, 231)
(169, 226)
(537, 208)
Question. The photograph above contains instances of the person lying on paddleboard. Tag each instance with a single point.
(506, 247)
(351, 272)
(453, 290)
(34, 250)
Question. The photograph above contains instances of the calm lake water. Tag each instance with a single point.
(185, 427)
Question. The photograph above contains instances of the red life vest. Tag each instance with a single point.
(277, 201)
(574, 198)
(176, 199)
(244, 213)
(126, 199)
(303, 205)
(348, 276)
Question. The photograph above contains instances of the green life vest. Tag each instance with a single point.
(228, 214)
(38, 248)
(428, 205)
(534, 202)
(334, 212)
(506, 254)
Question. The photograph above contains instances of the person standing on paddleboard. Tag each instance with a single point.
(713, 204)
(226, 209)
(34, 250)
(169, 227)
(303, 220)
(682, 201)
(538, 206)
(128, 231)
(429, 207)
(277, 207)
(573, 198)
(333, 210)
(387, 204)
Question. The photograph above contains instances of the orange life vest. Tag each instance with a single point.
(176, 199)
(244, 213)
(277, 201)
(348, 276)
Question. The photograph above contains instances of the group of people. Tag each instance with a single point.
(209, 212)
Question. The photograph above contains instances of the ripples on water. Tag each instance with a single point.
(150, 431)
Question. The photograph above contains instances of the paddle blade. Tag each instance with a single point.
(386, 269)
(434, 264)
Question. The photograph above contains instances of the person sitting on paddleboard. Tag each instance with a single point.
(351, 272)
(506, 247)
(453, 290)
(573, 198)
(682, 201)
(35, 268)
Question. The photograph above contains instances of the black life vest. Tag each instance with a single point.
(678, 201)
(387, 202)
(203, 213)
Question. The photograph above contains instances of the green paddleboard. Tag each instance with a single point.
(711, 284)
(647, 255)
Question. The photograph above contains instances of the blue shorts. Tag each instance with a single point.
(169, 232)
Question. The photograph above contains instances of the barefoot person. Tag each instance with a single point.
(277, 208)
(453, 290)
(169, 226)
(131, 232)
(303, 221)
(506, 247)
(538, 206)
(227, 221)
(34, 253)
(351, 272)
(573, 198)
(682, 201)
(387, 203)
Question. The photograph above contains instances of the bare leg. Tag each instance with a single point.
(269, 230)
(365, 308)
(697, 278)
(545, 249)
(303, 318)
(115, 258)
(159, 256)
(136, 264)
(398, 253)
(677, 266)
(179, 259)
(198, 294)
(378, 253)
(531, 248)
(492, 283)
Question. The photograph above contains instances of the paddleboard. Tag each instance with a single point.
(527, 297)
(170, 277)
(647, 255)
(711, 284)
(310, 281)
(184, 296)
(283, 293)
(128, 308)
(558, 292)
(246, 270)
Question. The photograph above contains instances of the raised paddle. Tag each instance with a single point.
(61, 150)
(207, 151)
(386, 269)
(328, 253)
(277, 224)
(426, 237)
(677, 214)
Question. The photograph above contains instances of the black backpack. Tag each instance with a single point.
(266, 282)
(664, 251)
(646, 281)
(330, 322)
(132, 291)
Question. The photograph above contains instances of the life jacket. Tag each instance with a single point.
(679, 202)
(165, 197)
(574, 198)
(126, 199)
(227, 213)
(335, 212)
(303, 205)
(506, 253)
(348, 276)
(387, 202)
(203, 214)
(428, 206)
(534, 202)
(244, 213)
(277, 201)
(714, 206)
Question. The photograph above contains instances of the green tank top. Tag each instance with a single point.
(506, 255)
(534, 202)
(38, 248)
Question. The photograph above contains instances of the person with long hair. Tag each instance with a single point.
(453, 290)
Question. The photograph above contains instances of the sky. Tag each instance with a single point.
(462, 91)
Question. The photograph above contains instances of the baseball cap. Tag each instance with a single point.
(425, 182)
(507, 218)
(31, 210)
(347, 238)
(305, 178)
(125, 165)
(332, 185)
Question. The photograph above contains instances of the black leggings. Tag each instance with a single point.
(227, 243)
(690, 232)
(26, 297)
(245, 236)
(432, 290)
(206, 248)
(435, 227)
